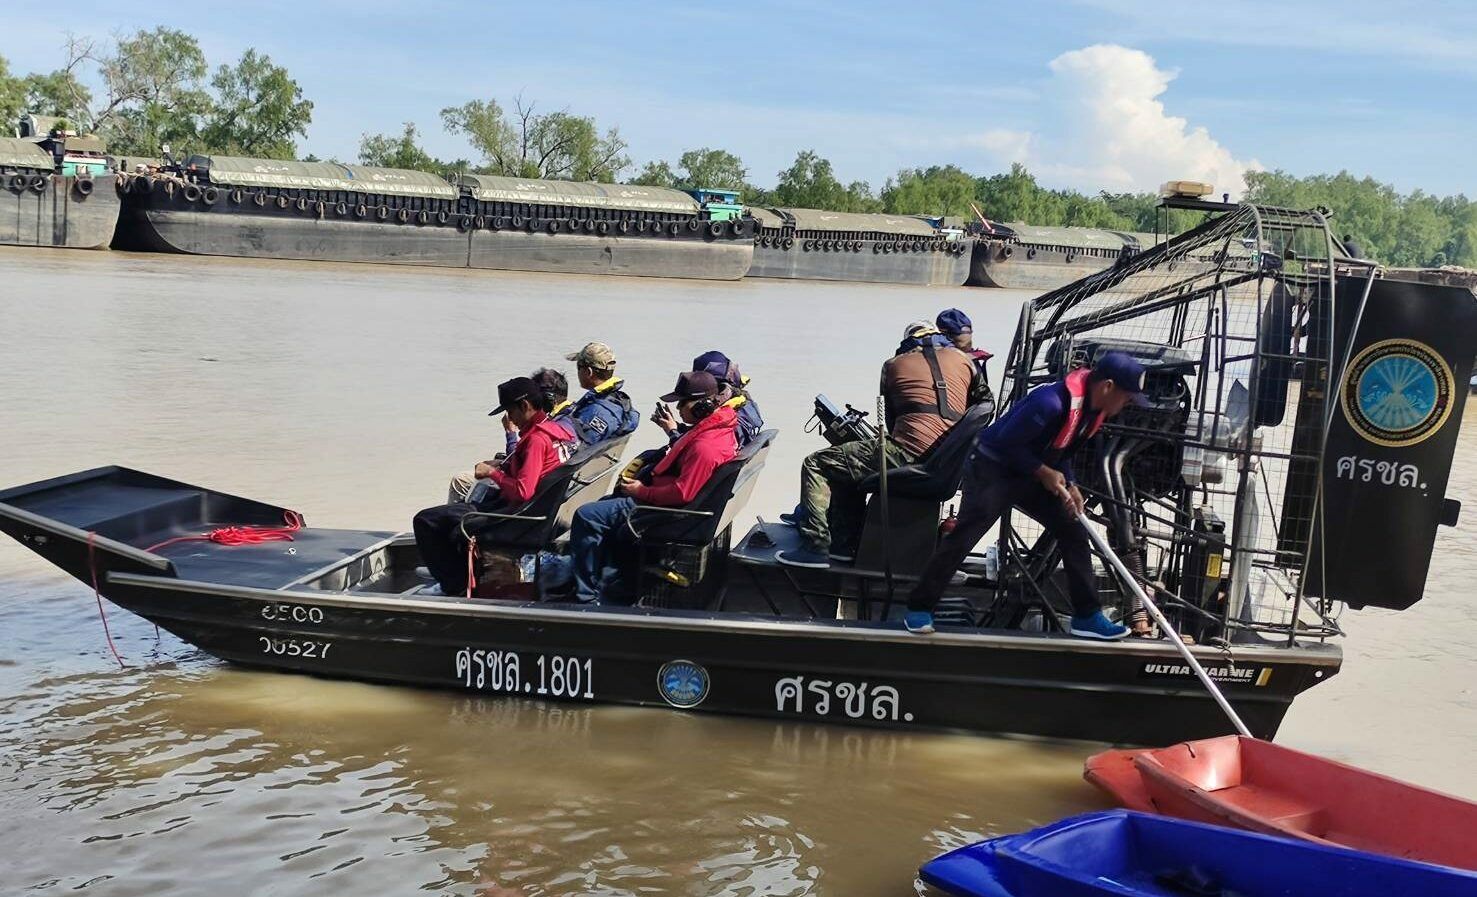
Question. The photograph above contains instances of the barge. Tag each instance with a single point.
(1026, 257)
(51, 195)
(1292, 461)
(812, 244)
(323, 211)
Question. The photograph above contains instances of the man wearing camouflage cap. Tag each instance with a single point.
(604, 411)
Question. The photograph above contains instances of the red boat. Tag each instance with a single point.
(1263, 787)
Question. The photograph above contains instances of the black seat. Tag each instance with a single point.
(905, 541)
(535, 524)
(936, 474)
(682, 553)
(712, 510)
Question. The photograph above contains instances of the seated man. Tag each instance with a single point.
(544, 446)
(600, 537)
(926, 387)
(733, 393)
(603, 412)
(1024, 460)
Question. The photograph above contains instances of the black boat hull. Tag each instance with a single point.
(1034, 268)
(931, 267)
(343, 603)
(850, 673)
(59, 214)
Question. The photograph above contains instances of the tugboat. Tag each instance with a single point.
(326, 211)
(1293, 460)
(55, 188)
(813, 244)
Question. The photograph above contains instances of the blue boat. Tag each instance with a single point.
(1125, 853)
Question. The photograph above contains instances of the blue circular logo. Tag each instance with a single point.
(1397, 392)
(682, 683)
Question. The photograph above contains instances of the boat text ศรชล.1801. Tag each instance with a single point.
(1303, 414)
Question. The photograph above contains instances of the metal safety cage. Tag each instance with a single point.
(1211, 493)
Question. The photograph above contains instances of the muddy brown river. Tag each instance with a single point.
(350, 393)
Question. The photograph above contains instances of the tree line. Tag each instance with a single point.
(155, 87)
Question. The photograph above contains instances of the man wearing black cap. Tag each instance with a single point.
(1024, 460)
(599, 537)
(542, 447)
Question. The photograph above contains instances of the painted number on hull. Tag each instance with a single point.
(292, 613)
(509, 672)
(293, 647)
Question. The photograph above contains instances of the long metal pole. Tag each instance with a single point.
(1153, 609)
(882, 495)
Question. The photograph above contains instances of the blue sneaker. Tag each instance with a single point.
(792, 518)
(803, 557)
(919, 621)
(1096, 625)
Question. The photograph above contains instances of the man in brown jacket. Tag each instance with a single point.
(926, 387)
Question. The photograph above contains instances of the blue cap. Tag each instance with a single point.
(720, 366)
(954, 322)
(1125, 372)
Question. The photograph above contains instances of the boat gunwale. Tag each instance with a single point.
(1322, 655)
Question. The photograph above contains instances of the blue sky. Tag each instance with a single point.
(1117, 94)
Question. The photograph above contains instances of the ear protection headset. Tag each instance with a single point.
(704, 407)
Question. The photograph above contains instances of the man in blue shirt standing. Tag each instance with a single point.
(1024, 460)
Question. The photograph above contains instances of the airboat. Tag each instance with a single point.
(1293, 462)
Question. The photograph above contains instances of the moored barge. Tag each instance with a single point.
(1026, 257)
(322, 211)
(812, 244)
(48, 197)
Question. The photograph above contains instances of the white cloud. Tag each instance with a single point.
(1112, 131)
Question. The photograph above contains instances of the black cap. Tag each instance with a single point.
(693, 385)
(514, 391)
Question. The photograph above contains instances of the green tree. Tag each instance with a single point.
(12, 97)
(257, 110)
(403, 151)
(1407, 230)
(530, 144)
(58, 94)
(656, 174)
(153, 89)
(704, 168)
(938, 190)
(810, 183)
(713, 168)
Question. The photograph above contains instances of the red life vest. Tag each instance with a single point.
(1076, 384)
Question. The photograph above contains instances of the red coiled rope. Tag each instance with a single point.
(243, 535)
(92, 565)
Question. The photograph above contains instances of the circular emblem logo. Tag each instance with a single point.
(1397, 392)
(682, 683)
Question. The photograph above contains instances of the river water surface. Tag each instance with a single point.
(349, 393)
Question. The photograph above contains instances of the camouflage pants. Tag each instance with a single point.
(832, 508)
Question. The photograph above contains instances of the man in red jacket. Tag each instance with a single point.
(600, 538)
(543, 446)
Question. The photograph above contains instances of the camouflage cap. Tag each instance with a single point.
(594, 355)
